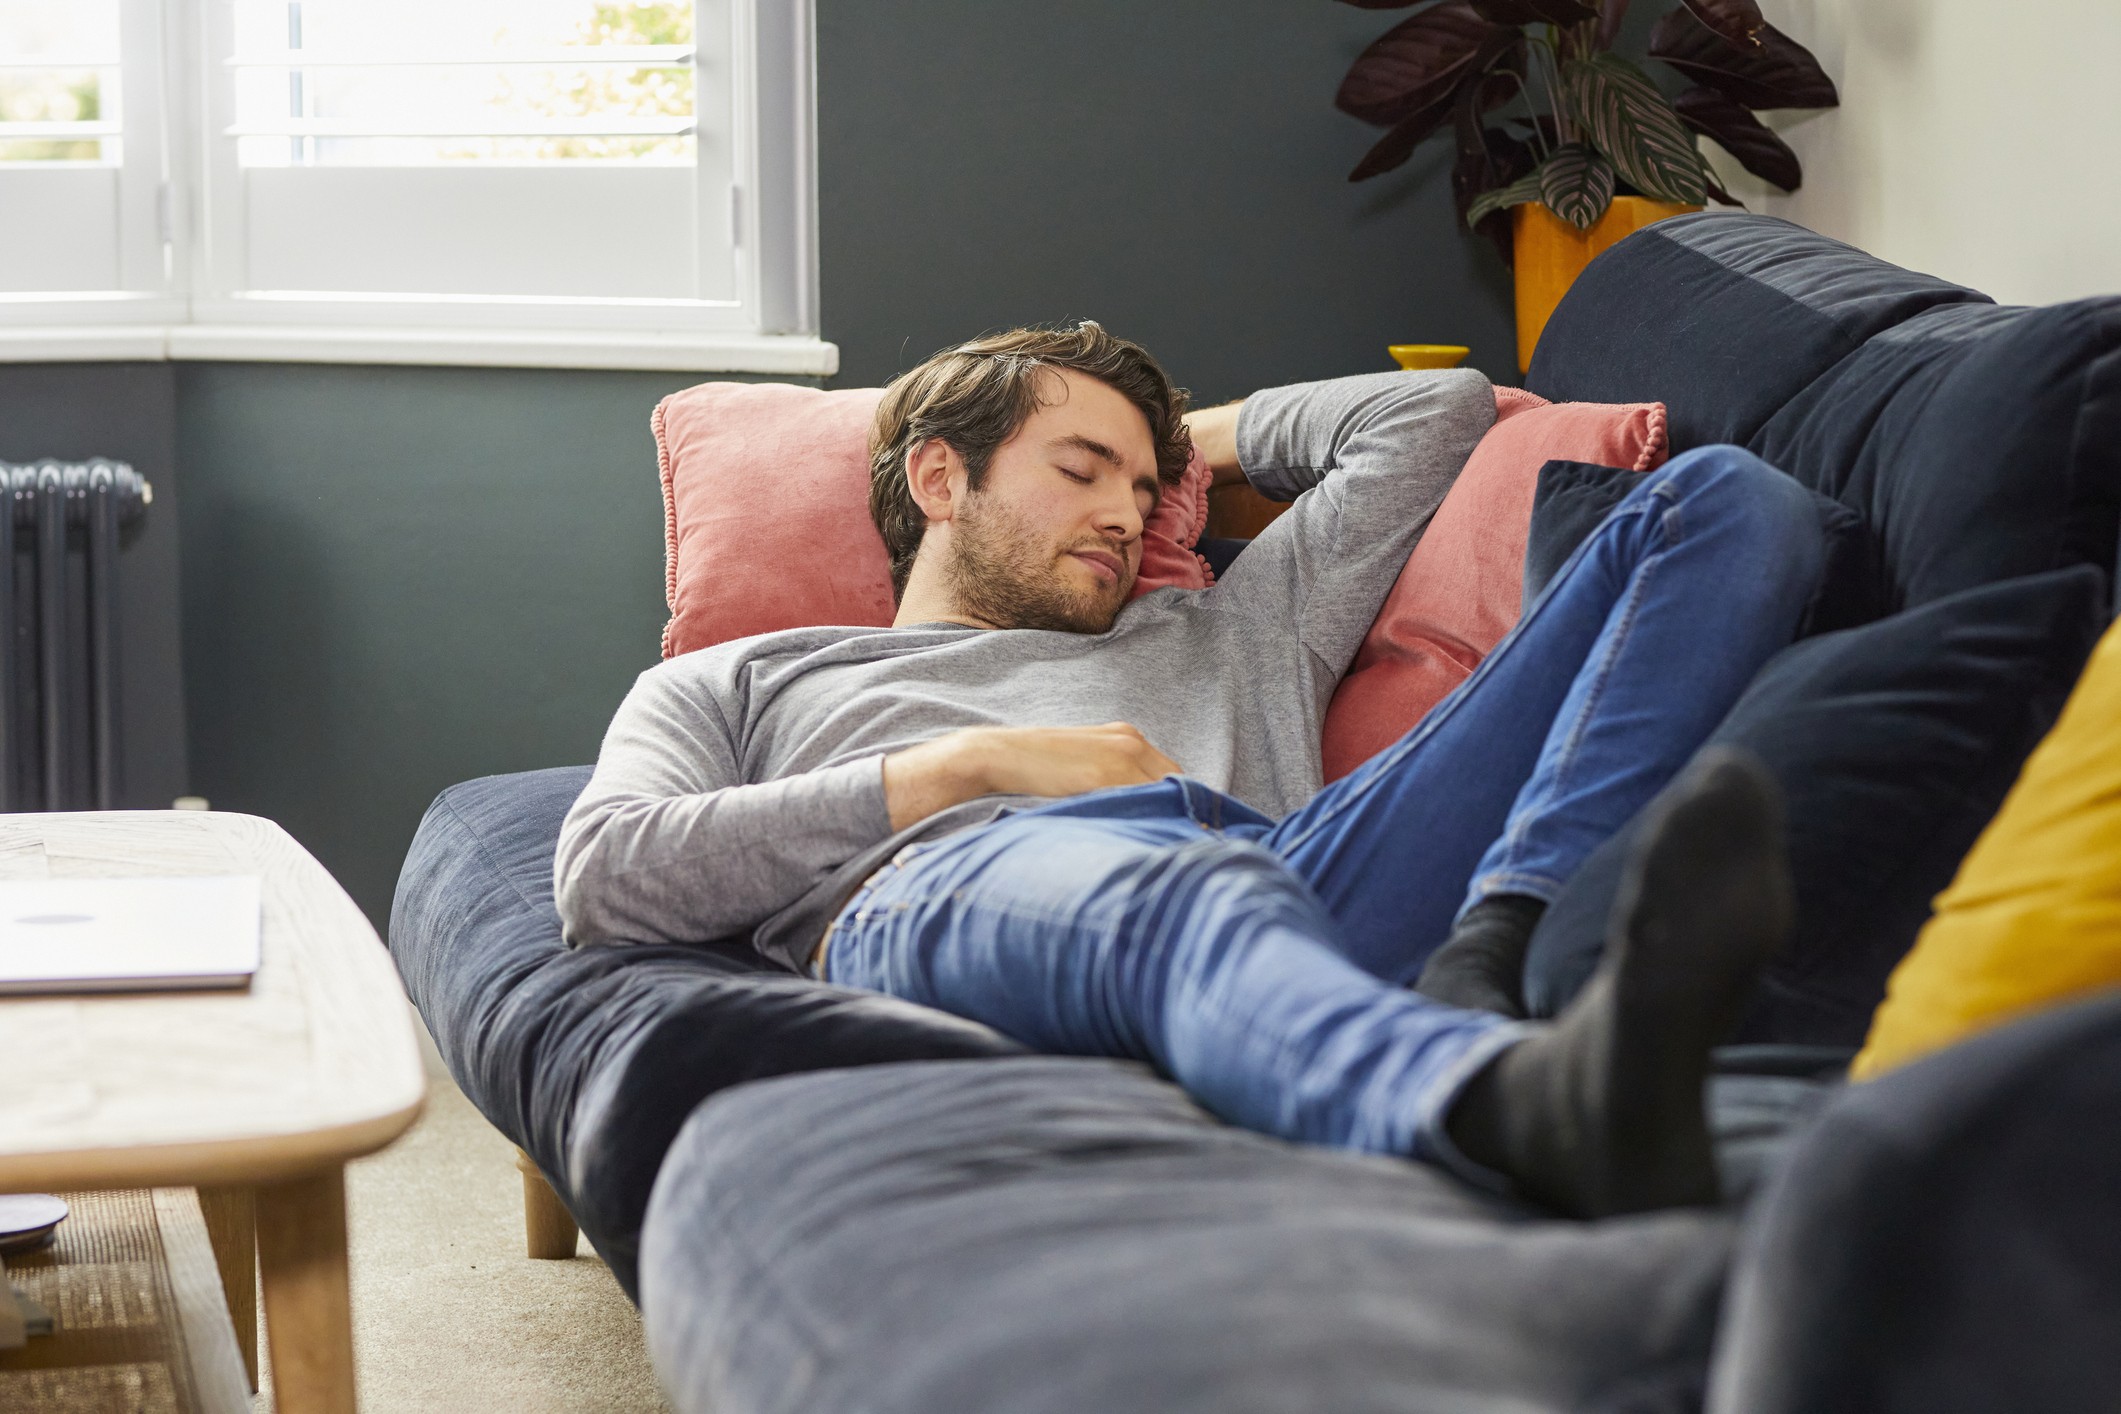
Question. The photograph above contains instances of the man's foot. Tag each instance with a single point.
(1602, 1112)
(1481, 966)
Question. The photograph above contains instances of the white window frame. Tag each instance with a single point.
(176, 119)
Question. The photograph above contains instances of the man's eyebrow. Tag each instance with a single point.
(1087, 444)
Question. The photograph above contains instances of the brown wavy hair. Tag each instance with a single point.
(976, 396)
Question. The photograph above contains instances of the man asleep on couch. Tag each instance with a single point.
(974, 808)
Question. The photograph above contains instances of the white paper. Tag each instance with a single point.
(71, 935)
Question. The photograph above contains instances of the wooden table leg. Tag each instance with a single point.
(231, 1225)
(308, 1315)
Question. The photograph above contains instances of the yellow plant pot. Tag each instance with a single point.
(1551, 254)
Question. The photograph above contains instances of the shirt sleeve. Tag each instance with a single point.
(1367, 460)
(669, 845)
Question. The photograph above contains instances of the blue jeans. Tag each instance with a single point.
(1261, 963)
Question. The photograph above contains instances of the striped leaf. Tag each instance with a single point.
(1576, 183)
(1615, 106)
(1517, 193)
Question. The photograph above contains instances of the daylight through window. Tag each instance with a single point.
(600, 166)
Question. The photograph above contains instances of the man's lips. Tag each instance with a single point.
(1108, 565)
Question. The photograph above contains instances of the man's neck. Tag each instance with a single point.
(928, 600)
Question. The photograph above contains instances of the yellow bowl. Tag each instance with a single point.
(1429, 355)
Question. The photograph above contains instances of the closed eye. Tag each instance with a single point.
(1077, 477)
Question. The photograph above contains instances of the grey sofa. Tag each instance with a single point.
(831, 1201)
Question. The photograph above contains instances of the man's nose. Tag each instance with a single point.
(1120, 516)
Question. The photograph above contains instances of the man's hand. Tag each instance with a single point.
(1050, 761)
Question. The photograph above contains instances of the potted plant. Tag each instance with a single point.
(1564, 144)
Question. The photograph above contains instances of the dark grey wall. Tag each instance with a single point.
(1174, 168)
(398, 578)
(125, 411)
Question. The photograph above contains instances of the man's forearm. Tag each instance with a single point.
(1052, 762)
(1215, 434)
(928, 779)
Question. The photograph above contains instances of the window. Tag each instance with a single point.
(616, 182)
(81, 165)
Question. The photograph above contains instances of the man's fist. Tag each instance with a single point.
(1047, 761)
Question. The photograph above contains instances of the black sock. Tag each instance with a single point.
(1601, 1112)
(1481, 965)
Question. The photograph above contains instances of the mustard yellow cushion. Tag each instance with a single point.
(2034, 916)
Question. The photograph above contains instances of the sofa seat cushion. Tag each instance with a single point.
(590, 1059)
(1052, 1234)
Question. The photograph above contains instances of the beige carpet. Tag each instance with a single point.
(449, 1315)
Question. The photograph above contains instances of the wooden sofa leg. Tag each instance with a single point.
(548, 1228)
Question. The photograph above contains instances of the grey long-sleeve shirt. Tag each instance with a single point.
(740, 788)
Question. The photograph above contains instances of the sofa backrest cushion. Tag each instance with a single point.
(1893, 744)
(1978, 443)
(1723, 318)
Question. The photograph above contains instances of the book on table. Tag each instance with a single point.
(127, 935)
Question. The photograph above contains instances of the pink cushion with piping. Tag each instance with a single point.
(1459, 593)
(766, 514)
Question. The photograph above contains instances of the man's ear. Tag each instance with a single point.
(935, 474)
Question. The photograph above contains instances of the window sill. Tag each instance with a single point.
(799, 355)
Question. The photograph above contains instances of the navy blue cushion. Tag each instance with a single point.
(1894, 745)
(590, 1059)
(1943, 1241)
(1221, 553)
(1573, 497)
(1977, 443)
(1723, 318)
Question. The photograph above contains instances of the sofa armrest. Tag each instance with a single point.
(1943, 1239)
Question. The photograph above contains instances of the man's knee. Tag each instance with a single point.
(1776, 515)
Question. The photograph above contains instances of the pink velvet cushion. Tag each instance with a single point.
(766, 514)
(1459, 592)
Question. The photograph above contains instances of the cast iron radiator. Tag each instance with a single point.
(59, 529)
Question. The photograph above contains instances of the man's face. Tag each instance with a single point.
(1052, 539)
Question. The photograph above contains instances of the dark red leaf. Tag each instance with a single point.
(1396, 146)
(1745, 137)
(1536, 12)
(1781, 73)
(1489, 159)
(1737, 23)
(1616, 15)
(1720, 196)
(1414, 64)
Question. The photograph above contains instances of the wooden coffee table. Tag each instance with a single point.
(257, 1099)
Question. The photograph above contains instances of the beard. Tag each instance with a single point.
(1000, 573)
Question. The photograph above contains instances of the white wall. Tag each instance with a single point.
(1978, 140)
